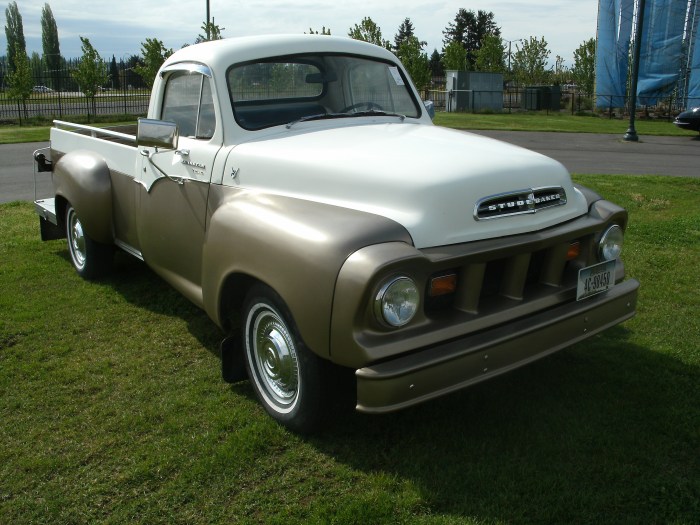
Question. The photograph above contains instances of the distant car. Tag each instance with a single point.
(689, 119)
(42, 89)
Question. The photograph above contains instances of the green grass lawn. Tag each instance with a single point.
(556, 122)
(112, 408)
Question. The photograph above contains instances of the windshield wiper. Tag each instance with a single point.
(319, 116)
(377, 113)
(326, 116)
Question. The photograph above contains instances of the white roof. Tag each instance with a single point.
(222, 53)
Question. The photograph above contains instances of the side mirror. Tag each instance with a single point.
(157, 133)
(430, 108)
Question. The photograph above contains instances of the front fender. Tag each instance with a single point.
(82, 178)
(296, 247)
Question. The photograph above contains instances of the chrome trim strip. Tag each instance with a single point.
(192, 67)
(94, 132)
(128, 249)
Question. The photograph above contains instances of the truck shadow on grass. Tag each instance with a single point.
(606, 431)
(603, 432)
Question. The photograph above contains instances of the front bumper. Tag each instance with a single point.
(445, 368)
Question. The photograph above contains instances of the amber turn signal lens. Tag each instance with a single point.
(574, 251)
(443, 285)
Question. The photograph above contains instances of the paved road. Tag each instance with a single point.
(579, 152)
(590, 153)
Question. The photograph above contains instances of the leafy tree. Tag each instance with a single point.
(153, 53)
(415, 61)
(14, 31)
(469, 29)
(50, 45)
(20, 80)
(436, 67)
(560, 73)
(491, 55)
(91, 72)
(211, 32)
(369, 32)
(455, 57)
(324, 31)
(530, 61)
(583, 71)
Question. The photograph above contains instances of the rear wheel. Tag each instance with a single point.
(288, 378)
(90, 258)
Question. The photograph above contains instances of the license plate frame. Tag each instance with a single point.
(595, 279)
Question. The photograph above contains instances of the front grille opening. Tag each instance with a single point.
(506, 282)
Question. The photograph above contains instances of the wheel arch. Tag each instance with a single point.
(82, 178)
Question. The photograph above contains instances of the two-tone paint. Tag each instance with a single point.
(324, 212)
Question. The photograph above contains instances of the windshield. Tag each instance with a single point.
(286, 90)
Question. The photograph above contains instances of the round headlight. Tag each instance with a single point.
(397, 301)
(610, 245)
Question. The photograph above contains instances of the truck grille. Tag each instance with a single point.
(490, 285)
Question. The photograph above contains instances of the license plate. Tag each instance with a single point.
(595, 279)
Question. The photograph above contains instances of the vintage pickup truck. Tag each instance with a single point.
(296, 189)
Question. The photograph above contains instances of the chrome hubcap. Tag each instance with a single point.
(76, 240)
(274, 357)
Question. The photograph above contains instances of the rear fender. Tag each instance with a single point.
(82, 178)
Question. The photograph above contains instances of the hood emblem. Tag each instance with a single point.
(519, 202)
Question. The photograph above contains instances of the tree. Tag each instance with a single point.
(324, 31)
(153, 53)
(211, 32)
(560, 73)
(491, 55)
(404, 34)
(455, 57)
(436, 67)
(469, 29)
(369, 32)
(415, 61)
(114, 72)
(530, 62)
(91, 72)
(20, 80)
(14, 31)
(50, 45)
(583, 71)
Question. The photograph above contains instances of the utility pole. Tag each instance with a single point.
(631, 134)
(208, 24)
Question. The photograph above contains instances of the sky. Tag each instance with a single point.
(118, 27)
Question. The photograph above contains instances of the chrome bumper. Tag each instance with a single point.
(448, 367)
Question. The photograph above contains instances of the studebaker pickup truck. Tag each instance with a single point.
(296, 189)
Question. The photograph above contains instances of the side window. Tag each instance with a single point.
(188, 102)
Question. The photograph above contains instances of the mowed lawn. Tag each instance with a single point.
(112, 409)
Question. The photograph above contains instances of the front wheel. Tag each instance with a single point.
(288, 378)
(90, 258)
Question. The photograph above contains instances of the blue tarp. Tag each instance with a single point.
(612, 51)
(662, 49)
(694, 84)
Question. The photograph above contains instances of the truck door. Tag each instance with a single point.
(174, 185)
